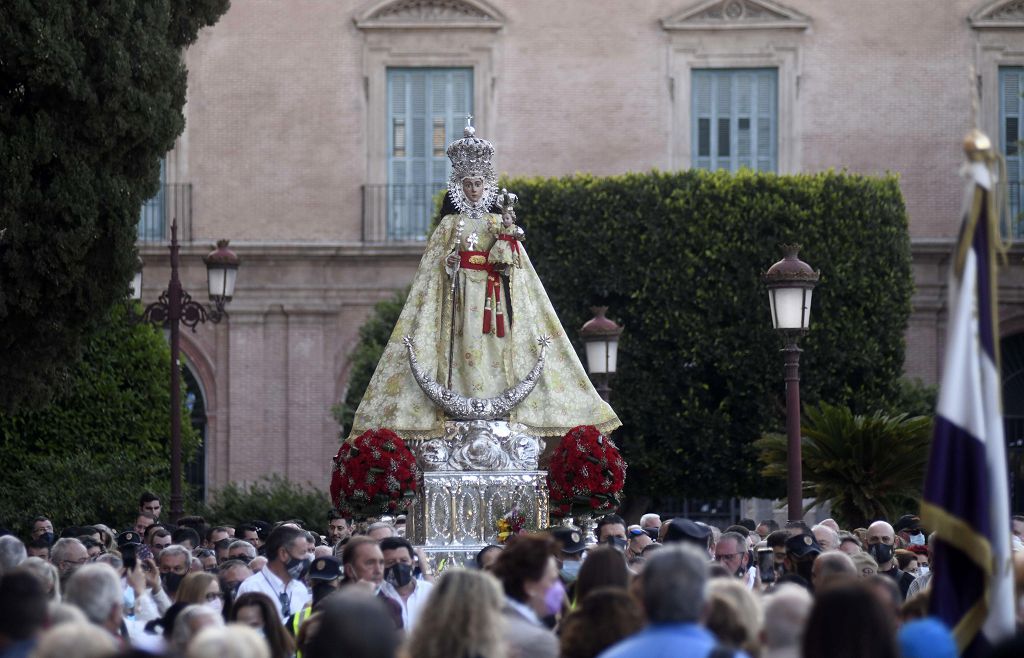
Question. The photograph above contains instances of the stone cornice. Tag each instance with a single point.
(736, 15)
(429, 14)
(998, 14)
(294, 250)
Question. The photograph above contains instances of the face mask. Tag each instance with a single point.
(570, 570)
(216, 605)
(618, 542)
(917, 540)
(47, 537)
(881, 552)
(553, 598)
(398, 575)
(171, 581)
(922, 570)
(298, 567)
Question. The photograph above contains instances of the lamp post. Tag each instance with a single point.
(174, 308)
(601, 338)
(790, 283)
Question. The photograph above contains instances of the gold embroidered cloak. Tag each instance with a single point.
(484, 364)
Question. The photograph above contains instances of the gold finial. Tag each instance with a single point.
(977, 145)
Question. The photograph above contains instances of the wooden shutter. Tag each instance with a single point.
(153, 214)
(426, 110)
(734, 119)
(1011, 80)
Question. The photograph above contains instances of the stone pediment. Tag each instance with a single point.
(998, 14)
(429, 14)
(736, 15)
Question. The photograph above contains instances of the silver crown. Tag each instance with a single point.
(471, 155)
(470, 158)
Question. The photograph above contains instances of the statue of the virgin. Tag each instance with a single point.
(476, 312)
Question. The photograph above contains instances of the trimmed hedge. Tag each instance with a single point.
(678, 257)
(86, 457)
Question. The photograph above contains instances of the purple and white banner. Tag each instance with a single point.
(966, 497)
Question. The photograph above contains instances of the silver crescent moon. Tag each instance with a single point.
(460, 407)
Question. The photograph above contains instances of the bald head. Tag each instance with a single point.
(880, 532)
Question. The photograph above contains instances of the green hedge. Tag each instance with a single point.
(271, 498)
(87, 456)
(678, 257)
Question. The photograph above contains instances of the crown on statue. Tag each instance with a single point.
(471, 155)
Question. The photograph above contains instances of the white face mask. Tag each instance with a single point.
(922, 570)
(217, 605)
(918, 539)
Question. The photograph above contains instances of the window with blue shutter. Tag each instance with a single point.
(1011, 81)
(427, 109)
(735, 120)
(152, 216)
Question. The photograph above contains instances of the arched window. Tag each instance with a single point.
(194, 400)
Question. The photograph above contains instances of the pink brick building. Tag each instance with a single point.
(311, 123)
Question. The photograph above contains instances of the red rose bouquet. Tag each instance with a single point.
(586, 473)
(373, 475)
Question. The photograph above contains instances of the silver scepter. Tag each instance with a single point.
(455, 294)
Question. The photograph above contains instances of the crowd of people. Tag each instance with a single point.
(658, 588)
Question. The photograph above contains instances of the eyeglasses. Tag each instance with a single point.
(286, 604)
(725, 556)
(245, 559)
(636, 532)
(213, 596)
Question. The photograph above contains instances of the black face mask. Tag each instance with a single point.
(881, 552)
(398, 575)
(298, 567)
(617, 542)
(171, 581)
(47, 537)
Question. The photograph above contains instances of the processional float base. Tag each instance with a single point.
(472, 476)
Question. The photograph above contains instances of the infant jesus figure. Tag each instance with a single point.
(505, 252)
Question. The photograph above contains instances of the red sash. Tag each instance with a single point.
(513, 240)
(494, 316)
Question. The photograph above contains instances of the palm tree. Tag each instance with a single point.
(866, 466)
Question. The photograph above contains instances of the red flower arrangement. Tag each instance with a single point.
(586, 473)
(373, 475)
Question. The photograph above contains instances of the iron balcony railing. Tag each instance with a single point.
(172, 201)
(398, 213)
(1016, 219)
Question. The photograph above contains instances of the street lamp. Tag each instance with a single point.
(601, 338)
(137, 280)
(790, 283)
(174, 308)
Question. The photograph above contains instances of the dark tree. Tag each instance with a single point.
(86, 457)
(91, 97)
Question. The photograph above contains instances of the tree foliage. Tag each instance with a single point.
(678, 257)
(91, 97)
(88, 455)
(272, 498)
(868, 467)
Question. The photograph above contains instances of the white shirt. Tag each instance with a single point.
(265, 582)
(524, 610)
(412, 606)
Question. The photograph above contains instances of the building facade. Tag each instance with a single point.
(316, 132)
